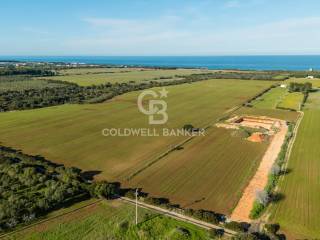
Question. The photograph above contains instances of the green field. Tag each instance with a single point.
(111, 220)
(71, 134)
(313, 101)
(208, 173)
(94, 70)
(90, 77)
(315, 82)
(8, 83)
(270, 99)
(299, 212)
(289, 116)
(291, 101)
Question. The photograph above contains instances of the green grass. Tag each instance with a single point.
(72, 134)
(291, 101)
(81, 76)
(111, 220)
(270, 99)
(313, 101)
(94, 70)
(17, 83)
(281, 77)
(210, 172)
(315, 82)
(275, 113)
(298, 214)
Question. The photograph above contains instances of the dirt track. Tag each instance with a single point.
(179, 216)
(260, 179)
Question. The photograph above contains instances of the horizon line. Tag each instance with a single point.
(218, 55)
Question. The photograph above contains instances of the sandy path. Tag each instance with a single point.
(260, 179)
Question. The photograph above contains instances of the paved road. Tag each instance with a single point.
(179, 216)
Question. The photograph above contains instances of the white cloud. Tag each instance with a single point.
(174, 36)
(242, 3)
(132, 28)
(110, 22)
(33, 30)
(232, 4)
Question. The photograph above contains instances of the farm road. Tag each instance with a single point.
(179, 216)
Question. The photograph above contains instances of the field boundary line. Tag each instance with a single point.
(48, 219)
(267, 213)
(168, 151)
(291, 143)
(207, 126)
(179, 216)
(260, 178)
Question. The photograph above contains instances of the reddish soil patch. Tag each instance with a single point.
(256, 137)
(260, 179)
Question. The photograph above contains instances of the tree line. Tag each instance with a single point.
(26, 71)
(304, 88)
(254, 75)
(31, 186)
(270, 231)
(72, 93)
(300, 87)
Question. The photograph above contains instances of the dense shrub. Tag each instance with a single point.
(73, 93)
(245, 236)
(26, 71)
(70, 93)
(216, 233)
(30, 186)
(237, 226)
(256, 210)
(205, 215)
(156, 201)
(188, 127)
(104, 189)
(300, 87)
(253, 75)
(272, 228)
(273, 178)
(304, 88)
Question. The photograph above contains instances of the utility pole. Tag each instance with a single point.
(137, 206)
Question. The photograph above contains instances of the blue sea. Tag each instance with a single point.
(301, 62)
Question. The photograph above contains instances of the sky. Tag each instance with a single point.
(161, 28)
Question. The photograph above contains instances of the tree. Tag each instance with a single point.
(275, 170)
(272, 228)
(263, 197)
(237, 226)
(105, 189)
(216, 233)
(188, 127)
(245, 236)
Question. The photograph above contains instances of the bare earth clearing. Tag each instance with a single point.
(260, 179)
